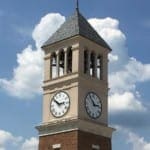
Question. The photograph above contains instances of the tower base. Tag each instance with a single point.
(74, 140)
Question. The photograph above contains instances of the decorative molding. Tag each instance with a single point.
(67, 125)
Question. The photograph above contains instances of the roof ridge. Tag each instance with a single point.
(76, 24)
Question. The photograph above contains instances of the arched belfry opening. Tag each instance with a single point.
(53, 65)
(61, 62)
(69, 60)
(92, 64)
(99, 67)
(86, 61)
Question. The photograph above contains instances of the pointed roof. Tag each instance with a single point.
(76, 25)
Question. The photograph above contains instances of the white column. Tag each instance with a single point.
(50, 67)
(66, 61)
(47, 65)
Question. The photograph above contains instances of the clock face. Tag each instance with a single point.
(60, 104)
(93, 105)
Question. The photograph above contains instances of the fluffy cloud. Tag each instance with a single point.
(30, 144)
(108, 28)
(138, 142)
(6, 138)
(27, 76)
(126, 78)
(125, 102)
(46, 27)
(124, 72)
(9, 141)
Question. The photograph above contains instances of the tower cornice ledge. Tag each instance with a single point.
(74, 125)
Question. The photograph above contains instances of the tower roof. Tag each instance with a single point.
(73, 26)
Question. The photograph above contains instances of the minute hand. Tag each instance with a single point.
(93, 102)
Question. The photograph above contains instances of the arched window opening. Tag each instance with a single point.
(61, 63)
(92, 64)
(99, 67)
(53, 65)
(85, 61)
(69, 67)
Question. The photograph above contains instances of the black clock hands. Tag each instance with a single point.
(58, 103)
(95, 105)
(62, 103)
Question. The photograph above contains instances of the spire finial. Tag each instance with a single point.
(77, 5)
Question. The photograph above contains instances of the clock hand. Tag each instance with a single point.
(56, 102)
(92, 100)
(62, 103)
(95, 105)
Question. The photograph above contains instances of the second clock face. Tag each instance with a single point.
(60, 104)
(93, 105)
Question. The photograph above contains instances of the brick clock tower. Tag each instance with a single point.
(75, 89)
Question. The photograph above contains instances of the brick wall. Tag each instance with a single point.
(74, 140)
(85, 141)
(67, 140)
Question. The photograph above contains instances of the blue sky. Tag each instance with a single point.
(24, 25)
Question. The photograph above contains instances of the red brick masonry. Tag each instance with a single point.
(74, 140)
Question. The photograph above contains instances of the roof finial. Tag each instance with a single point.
(77, 5)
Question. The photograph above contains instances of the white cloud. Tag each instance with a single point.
(6, 138)
(9, 141)
(123, 86)
(124, 72)
(30, 144)
(46, 27)
(125, 102)
(127, 78)
(27, 76)
(137, 142)
(108, 28)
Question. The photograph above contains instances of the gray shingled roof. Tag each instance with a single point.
(76, 25)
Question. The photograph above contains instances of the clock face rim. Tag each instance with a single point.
(52, 101)
(86, 107)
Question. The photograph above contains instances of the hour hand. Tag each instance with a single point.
(56, 102)
(62, 103)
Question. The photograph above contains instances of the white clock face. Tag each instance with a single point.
(93, 105)
(60, 104)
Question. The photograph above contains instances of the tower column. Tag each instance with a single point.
(57, 63)
(47, 67)
(75, 58)
(50, 67)
(65, 61)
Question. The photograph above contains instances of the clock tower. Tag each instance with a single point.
(75, 89)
